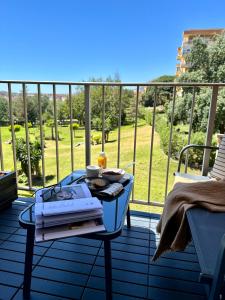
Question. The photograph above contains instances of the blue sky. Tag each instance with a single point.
(74, 40)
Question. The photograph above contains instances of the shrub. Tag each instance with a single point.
(196, 155)
(181, 110)
(179, 140)
(108, 126)
(148, 116)
(75, 126)
(48, 138)
(97, 124)
(22, 155)
(141, 112)
(96, 139)
(22, 178)
(16, 128)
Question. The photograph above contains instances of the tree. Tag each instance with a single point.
(208, 60)
(207, 64)
(78, 108)
(97, 124)
(18, 108)
(51, 123)
(63, 112)
(4, 110)
(32, 108)
(181, 109)
(217, 60)
(198, 58)
(111, 102)
(163, 93)
(201, 112)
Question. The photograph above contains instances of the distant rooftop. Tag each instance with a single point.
(204, 31)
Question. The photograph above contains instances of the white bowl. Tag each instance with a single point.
(92, 171)
(113, 174)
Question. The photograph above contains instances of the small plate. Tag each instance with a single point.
(97, 183)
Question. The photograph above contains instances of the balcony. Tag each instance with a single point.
(179, 53)
(73, 268)
(185, 65)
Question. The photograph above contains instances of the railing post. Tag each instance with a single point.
(87, 124)
(170, 139)
(210, 128)
(119, 127)
(1, 152)
(151, 144)
(135, 134)
(56, 130)
(12, 126)
(103, 118)
(24, 97)
(71, 127)
(190, 126)
(42, 138)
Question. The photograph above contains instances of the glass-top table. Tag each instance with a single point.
(115, 209)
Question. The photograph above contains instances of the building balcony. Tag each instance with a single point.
(185, 65)
(73, 268)
(179, 50)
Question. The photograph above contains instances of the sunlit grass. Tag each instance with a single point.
(159, 161)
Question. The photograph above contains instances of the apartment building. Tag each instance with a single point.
(187, 42)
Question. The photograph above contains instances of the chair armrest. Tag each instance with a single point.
(193, 146)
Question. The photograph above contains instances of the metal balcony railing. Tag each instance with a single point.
(9, 85)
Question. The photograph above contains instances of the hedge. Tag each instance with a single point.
(179, 140)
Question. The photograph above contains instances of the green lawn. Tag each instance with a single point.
(157, 189)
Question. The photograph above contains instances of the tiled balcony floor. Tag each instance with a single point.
(73, 268)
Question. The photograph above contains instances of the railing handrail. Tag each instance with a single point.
(93, 83)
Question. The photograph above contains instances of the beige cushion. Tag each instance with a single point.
(184, 177)
(218, 170)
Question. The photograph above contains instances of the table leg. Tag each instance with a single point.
(28, 263)
(128, 217)
(108, 269)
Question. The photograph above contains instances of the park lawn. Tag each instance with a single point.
(159, 161)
